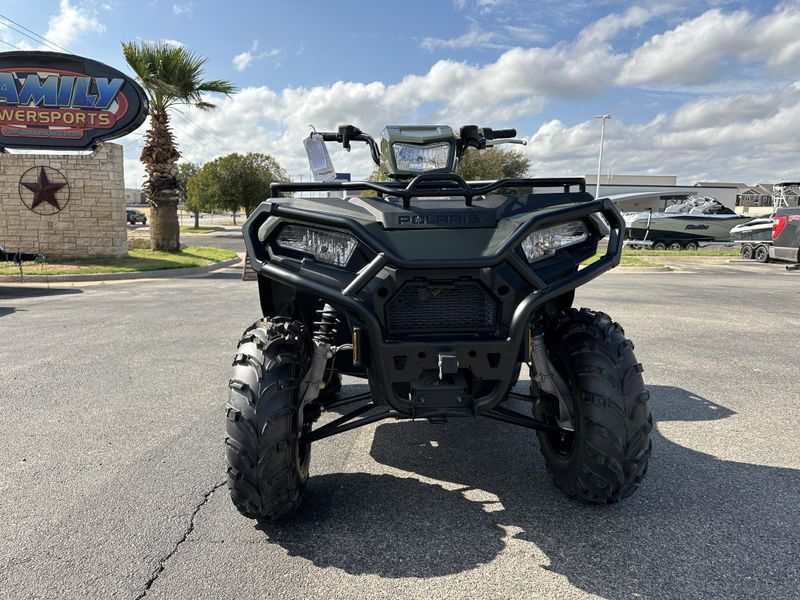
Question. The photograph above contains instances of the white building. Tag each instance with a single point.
(134, 196)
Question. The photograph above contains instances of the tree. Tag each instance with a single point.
(171, 76)
(187, 170)
(236, 181)
(492, 163)
(377, 176)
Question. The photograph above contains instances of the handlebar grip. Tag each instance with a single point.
(329, 136)
(502, 133)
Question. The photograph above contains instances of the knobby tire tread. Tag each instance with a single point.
(266, 474)
(612, 445)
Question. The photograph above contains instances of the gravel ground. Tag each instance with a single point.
(112, 461)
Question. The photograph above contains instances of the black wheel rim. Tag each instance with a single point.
(563, 441)
(302, 446)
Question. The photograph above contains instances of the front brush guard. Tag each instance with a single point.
(348, 301)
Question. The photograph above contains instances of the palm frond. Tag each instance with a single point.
(202, 105)
(172, 74)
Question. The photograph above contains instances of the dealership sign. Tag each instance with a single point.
(60, 101)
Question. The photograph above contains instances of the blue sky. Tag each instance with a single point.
(701, 90)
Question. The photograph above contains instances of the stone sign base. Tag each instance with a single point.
(70, 205)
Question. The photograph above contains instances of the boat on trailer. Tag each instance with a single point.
(757, 230)
(696, 222)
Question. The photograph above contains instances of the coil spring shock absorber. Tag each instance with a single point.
(325, 329)
(322, 339)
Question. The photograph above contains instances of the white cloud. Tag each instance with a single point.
(526, 34)
(167, 41)
(245, 59)
(689, 53)
(71, 23)
(775, 39)
(611, 25)
(740, 138)
(696, 50)
(183, 9)
(480, 4)
(474, 38)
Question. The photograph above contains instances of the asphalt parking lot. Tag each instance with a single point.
(112, 461)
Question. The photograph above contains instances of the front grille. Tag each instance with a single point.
(421, 307)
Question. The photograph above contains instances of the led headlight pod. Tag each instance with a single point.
(544, 242)
(329, 247)
(421, 157)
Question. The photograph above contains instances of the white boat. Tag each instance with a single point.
(757, 230)
(693, 223)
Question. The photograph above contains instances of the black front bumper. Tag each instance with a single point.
(392, 361)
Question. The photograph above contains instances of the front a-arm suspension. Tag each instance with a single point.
(548, 379)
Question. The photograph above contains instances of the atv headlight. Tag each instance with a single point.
(544, 242)
(328, 247)
(421, 157)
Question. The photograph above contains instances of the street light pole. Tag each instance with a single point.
(600, 158)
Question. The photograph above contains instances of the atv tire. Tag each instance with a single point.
(606, 457)
(267, 464)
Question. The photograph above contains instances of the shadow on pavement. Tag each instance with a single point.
(389, 526)
(10, 291)
(698, 527)
(17, 292)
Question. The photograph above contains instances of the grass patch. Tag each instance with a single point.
(625, 261)
(635, 261)
(201, 229)
(648, 258)
(137, 260)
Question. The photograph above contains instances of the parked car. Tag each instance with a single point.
(786, 234)
(136, 216)
(11, 255)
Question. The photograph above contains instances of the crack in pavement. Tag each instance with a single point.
(163, 562)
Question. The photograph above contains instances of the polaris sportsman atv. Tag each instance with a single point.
(435, 290)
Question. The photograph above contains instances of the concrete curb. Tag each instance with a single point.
(663, 269)
(210, 234)
(202, 270)
(122, 276)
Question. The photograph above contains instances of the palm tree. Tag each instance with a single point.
(171, 76)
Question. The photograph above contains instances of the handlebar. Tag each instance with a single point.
(349, 133)
(482, 138)
(469, 135)
(495, 134)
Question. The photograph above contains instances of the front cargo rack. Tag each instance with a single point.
(430, 184)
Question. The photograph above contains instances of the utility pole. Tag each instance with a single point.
(600, 158)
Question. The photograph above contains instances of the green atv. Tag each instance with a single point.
(435, 290)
